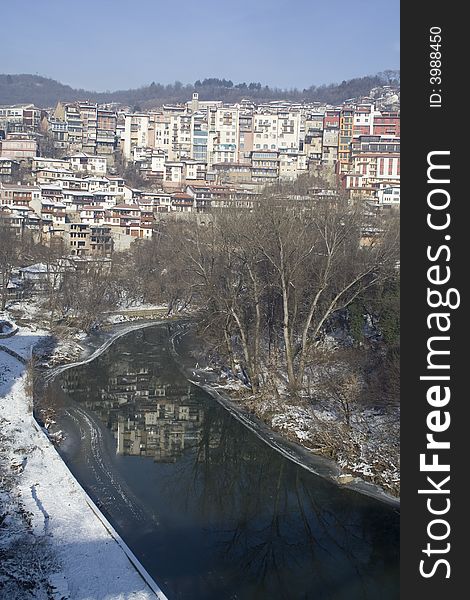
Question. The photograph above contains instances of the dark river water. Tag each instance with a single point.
(210, 510)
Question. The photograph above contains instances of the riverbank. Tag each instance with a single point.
(55, 544)
(366, 453)
(285, 427)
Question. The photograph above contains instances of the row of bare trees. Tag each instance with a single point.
(268, 281)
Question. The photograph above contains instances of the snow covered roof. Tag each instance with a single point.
(37, 268)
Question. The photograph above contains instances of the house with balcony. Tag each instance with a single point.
(264, 166)
(101, 240)
(86, 163)
(201, 196)
(9, 170)
(15, 195)
(18, 146)
(181, 202)
(78, 239)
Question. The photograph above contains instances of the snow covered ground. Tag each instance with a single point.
(23, 341)
(53, 543)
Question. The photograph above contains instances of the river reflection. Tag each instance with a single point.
(210, 510)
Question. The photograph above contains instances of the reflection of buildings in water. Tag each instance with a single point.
(163, 428)
(75, 383)
(148, 415)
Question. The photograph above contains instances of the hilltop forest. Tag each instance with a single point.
(45, 92)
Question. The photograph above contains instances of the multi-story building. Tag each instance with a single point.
(18, 195)
(363, 120)
(20, 118)
(106, 124)
(264, 166)
(199, 135)
(279, 131)
(136, 132)
(173, 172)
(162, 135)
(375, 164)
(101, 241)
(313, 137)
(291, 165)
(345, 139)
(11, 116)
(180, 136)
(88, 118)
(245, 136)
(387, 124)
(18, 146)
(58, 130)
(79, 239)
(72, 118)
(9, 170)
(82, 162)
(331, 126)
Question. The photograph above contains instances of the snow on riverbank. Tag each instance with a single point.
(277, 419)
(22, 343)
(53, 545)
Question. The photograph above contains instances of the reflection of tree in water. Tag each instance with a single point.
(280, 523)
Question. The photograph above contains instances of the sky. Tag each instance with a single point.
(117, 44)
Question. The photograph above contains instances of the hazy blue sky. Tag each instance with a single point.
(117, 44)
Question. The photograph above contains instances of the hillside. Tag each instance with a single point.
(45, 92)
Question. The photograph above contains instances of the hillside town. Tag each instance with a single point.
(100, 176)
(263, 236)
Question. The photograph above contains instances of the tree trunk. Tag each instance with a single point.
(256, 344)
(228, 344)
(287, 336)
(246, 352)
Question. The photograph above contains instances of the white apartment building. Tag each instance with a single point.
(136, 132)
(389, 196)
(291, 165)
(88, 117)
(87, 163)
(11, 114)
(174, 172)
(162, 140)
(277, 131)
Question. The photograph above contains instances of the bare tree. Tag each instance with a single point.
(53, 256)
(86, 292)
(319, 267)
(9, 257)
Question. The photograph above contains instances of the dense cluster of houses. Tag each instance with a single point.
(193, 157)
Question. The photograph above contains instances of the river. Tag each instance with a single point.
(210, 510)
